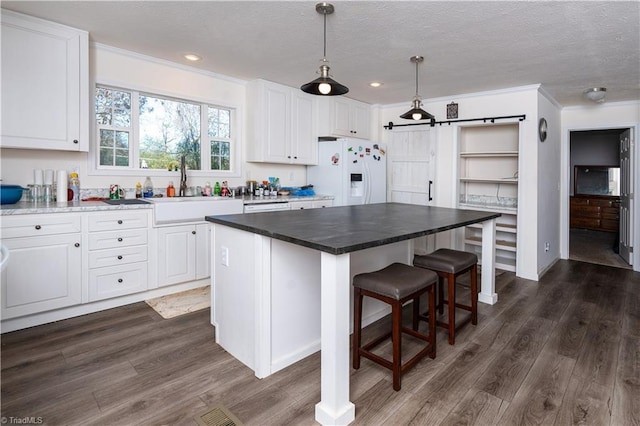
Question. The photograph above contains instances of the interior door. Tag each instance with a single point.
(411, 163)
(626, 195)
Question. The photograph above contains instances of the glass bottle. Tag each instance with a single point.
(217, 189)
(74, 185)
(171, 190)
(138, 190)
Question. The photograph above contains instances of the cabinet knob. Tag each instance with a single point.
(75, 141)
(193, 232)
(120, 257)
(120, 280)
(295, 157)
(77, 244)
(38, 227)
(120, 222)
(120, 239)
(288, 156)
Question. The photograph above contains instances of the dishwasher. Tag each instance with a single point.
(269, 206)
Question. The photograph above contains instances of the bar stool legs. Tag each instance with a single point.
(388, 285)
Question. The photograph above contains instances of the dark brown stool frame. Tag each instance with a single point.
(451, 277)
(396, 366)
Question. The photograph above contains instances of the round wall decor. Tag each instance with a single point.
(542, 129)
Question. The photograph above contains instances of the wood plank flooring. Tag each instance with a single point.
(562, 351)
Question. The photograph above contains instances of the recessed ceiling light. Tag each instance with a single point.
(192, 57)
(375, 84)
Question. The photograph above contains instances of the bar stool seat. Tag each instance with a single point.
(395, 285)
(450, 264)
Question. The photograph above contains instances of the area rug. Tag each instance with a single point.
(218, 416)
(173, 305)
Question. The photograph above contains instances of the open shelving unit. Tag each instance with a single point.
(488, 180)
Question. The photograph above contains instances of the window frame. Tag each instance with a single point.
(236, 141)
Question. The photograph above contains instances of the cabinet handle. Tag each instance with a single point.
(75, 141)
(193, 232)
(430, 183)
(120, 239)
(120, 280)
(120, 257)
(77, 244)
(119, 222)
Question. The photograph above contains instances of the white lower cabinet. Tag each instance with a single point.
(44, 271)
(118, 253)
(183, 253)
(316, 204)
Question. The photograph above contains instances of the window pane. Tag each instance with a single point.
(215, 148)
(113, 107)
(106, 157)
(215, 163)
(106, 138)
(168, 130)
(122, 140)
(122, 161)
(219, 123)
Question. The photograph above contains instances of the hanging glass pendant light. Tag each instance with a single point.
(324, 85)
(417, 113)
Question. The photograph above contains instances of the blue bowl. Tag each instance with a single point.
(10, 194)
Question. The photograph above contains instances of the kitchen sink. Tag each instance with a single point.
(192, 209)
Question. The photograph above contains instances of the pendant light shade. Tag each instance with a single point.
(324, 85)
(416, 112)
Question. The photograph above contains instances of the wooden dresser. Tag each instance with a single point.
(600, 213)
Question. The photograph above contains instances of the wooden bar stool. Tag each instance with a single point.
(450, 264)
(395, 285)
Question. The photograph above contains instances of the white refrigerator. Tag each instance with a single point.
(352, 170)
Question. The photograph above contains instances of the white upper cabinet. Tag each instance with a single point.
(45, 85)
(282, 124)
(344, 117)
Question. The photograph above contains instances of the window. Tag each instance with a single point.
(140, 131)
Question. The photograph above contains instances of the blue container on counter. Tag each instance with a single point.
(10, 194)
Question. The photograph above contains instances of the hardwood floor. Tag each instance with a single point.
(562, 351)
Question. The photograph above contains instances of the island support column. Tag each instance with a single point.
(488, 285)
(334, 407)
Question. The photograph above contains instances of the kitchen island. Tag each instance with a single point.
(280, 280)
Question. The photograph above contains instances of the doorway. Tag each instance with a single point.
(596, 183)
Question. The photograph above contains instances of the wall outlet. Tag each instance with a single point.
(547, 246)
(224, 256)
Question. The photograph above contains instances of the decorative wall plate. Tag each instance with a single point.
(542, 129)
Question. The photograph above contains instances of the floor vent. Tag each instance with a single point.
(218, 416)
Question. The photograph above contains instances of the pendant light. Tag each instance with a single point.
(417, 113)
(324, 85)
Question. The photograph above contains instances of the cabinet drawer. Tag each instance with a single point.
(585, 211)
(115, 281)
(609, 224)
(117, 256)
(584, 223)
(38, 225)
(579, 201)
(600, 203)
(322, 204)
(302, 205)
(112, 239)
(118, 220)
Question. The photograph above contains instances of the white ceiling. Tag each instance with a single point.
(468, 46)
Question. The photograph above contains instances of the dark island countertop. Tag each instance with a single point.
(339, 230)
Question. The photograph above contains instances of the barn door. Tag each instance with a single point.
(626, 196)
(411, 162)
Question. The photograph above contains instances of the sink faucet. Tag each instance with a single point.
(183, 177)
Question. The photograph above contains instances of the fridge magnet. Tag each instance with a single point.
(367, 151)
(335, 159)
(355, 161)
(360, 148)
(361, 155)
(452, 110)
(382, 151)
(375, 146)
(350, 149)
